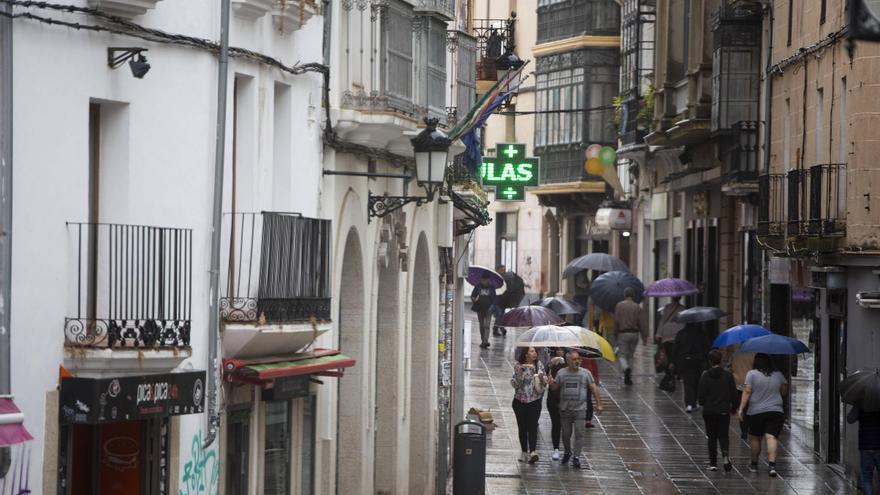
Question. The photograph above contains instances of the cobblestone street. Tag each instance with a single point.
(644, 442)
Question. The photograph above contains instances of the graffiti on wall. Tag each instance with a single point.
(201, 474)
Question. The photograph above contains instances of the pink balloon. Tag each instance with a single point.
(593, 151)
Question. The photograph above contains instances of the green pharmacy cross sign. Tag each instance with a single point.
(510, 171)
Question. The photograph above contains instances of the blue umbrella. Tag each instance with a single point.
(607, 289)
(739, 333)
(774, 344)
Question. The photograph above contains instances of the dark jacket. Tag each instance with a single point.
(486, 300)
(514, 292)
(691, 344)
(717, 391)
(869, 428)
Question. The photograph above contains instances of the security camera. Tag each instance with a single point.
(139, 67)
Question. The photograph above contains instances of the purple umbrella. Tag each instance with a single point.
(671, 287)
(530, 316)
(476, 273)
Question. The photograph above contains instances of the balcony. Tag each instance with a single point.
(278, 268)
(124, 8)
(739, 159)
(442, 9)
(771, 207)
(133, 300)
(494, 38)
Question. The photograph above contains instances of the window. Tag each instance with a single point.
(466, 74)
(281, 132)
(560, 92)
(677, 34)
(276, 453)
(822, 8)
(841, 140)
(505, 240)
(435, 97)
(559, 19)
(397, 42)
(790, 9)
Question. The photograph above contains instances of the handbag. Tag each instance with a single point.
(661, 360)
(538, 383)
(667, 384)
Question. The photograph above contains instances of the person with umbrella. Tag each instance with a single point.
(862, 390)
(717, 394)
(483, 298)
(689, 358)
(668, 330)
(574, 384)
(628, 317)
(763, 394)
(514, 292)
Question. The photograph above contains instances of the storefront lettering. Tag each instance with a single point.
(201, 474)
(155, 392)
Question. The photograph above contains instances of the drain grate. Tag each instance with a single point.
(503, 475)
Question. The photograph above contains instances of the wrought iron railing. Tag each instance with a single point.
(771, 207)
(133, 286)
(827, 199)
(278, 268)
(494, 37)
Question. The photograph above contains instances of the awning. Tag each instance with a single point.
(323, 362)
(12, 431)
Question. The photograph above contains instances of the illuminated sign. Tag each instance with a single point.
(510, 171)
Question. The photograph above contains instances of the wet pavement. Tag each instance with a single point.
(643, 442)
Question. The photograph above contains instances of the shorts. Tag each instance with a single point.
(765, 423)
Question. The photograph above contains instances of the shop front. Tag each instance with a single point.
(115, 433)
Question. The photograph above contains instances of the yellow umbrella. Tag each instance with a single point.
(596, 342)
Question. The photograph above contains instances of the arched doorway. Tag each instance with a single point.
(388, 403)
(422, 374)
(352, 412)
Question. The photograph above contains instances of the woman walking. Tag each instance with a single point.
(556, 364)
(528, 382)
(763, 393)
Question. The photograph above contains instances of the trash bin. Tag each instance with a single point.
(469, 459)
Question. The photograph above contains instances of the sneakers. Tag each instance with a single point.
(773, 472)
(533, 458)
(753, 467)
(484, 345)
(555, 455)
(496, 332)
(689, 409)
(566, 457)
(713, 467)
(524, 457)
(576, 463)
(503, 331)
(627, 376)
(727, 465)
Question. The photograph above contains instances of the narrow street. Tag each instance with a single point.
(644, 442)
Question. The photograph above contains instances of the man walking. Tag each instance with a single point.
(575, 385)
(691, 346)
(483, 298)
(869, 444)
(628, 316)
(514, 292)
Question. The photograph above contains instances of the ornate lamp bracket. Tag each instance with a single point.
(379, 206)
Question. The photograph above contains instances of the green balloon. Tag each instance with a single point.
(607, 155)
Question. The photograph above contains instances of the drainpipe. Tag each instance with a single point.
(768, 88)
(216, 223)
(5, 196)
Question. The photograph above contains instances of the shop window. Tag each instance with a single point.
(276, 453)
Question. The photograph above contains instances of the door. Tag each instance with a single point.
(837, 368)
(237, 449)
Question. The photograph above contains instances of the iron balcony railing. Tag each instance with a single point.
(133, 286)
(278, 268)
(827, 200)
(494, 37)
(771, 205)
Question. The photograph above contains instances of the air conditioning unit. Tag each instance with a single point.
(868, 299)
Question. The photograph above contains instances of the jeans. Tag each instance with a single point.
(627, 342)
(572, 420)
(485, 318)
(555, 422)
(870, 461)
(527, 415)
(690, 371)
(717, 426)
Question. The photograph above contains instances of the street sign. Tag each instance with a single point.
(510, 172)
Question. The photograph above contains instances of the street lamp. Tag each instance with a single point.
(431, 149)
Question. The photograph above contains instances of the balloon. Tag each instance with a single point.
(593, 166)
(607, 155)
(593, 151)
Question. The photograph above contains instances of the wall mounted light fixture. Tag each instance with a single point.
(116, 56)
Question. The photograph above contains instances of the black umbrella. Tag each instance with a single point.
(862, 389)
(698, 314)
(608, 288)
(600, 262)
(562, 306)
